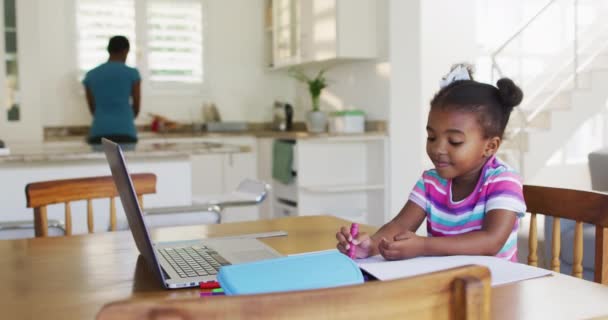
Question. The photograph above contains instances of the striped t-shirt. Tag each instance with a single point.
(499, 187)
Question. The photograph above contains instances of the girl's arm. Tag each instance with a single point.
(409, 218)
(497, 227)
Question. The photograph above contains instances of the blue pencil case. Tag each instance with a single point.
(299, 272)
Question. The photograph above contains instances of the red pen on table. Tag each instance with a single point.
(354, 231)
(210, 285)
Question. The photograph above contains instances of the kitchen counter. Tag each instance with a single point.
(72, 149)
(289, 135)
(377, 128)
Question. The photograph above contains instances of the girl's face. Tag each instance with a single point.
(456, 143)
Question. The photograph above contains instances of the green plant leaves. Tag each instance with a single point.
(315, 85)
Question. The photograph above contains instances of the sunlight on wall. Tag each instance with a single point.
(587, 138)
(332, 100)
(384, 69)
(325, 31)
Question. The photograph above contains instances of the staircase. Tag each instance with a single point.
(570, 88)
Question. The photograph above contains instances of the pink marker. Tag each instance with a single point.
(354, 231)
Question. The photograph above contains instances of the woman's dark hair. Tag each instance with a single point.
(118, 44)
(493, 105)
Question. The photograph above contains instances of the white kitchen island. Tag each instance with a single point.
(170, 159)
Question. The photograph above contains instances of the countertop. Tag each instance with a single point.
(288, 135)
(62, 147)
(80, 150)
(256, 130)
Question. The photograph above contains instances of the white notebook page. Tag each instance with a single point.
(502, 271)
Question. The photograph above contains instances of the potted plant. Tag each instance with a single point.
(316, 120)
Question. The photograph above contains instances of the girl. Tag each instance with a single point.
(471, 199)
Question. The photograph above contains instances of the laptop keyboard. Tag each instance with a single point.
(194, 261)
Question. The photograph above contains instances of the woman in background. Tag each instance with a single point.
(113, 92)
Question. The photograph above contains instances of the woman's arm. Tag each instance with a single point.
(90, 100)
(136, 94)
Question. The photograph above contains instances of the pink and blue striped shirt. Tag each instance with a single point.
(499, 187)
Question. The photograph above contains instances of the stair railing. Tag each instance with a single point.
(551, 78)
(496, 70)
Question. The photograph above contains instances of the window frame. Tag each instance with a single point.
(149, 87)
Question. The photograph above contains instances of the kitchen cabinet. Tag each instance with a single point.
(338, 175)
(218, 174)
(282, 31)
(305, 31)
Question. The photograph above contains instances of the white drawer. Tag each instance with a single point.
(282, 209)
(285, 191)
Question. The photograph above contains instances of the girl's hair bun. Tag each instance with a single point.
(510, 94)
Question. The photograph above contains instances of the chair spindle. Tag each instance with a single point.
(112, 214)
(532, 242)
(90, 222)
(556, 245)
(601, 241)
(577, 267)
(41, 222)
(68, 219)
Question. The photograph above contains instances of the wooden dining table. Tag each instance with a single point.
(73, 277)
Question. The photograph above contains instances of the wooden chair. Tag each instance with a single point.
(581, 206)
(41, 194)
(459, 293)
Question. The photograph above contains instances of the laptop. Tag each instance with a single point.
(179, 264)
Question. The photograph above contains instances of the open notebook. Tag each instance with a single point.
(502, 271)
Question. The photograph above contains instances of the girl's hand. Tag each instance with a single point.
(362, 242)
(405, 245)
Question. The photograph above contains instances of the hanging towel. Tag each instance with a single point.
(282, 159)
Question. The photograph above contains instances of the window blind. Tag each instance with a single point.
(173, 36)
(96, 22)
(175, 41)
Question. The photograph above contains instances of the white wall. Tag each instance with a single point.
(236, 79)
(572, 176)
(405, 111)
(424, 43)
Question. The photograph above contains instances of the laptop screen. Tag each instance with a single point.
(128, 197)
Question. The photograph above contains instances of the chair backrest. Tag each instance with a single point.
(459, 293)
(580, 206)
(41, 194)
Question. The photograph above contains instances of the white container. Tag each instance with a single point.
(350, 121)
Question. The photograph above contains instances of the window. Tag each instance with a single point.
(96, 22)
(166, 36)
(11, 100)
(175, 37)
